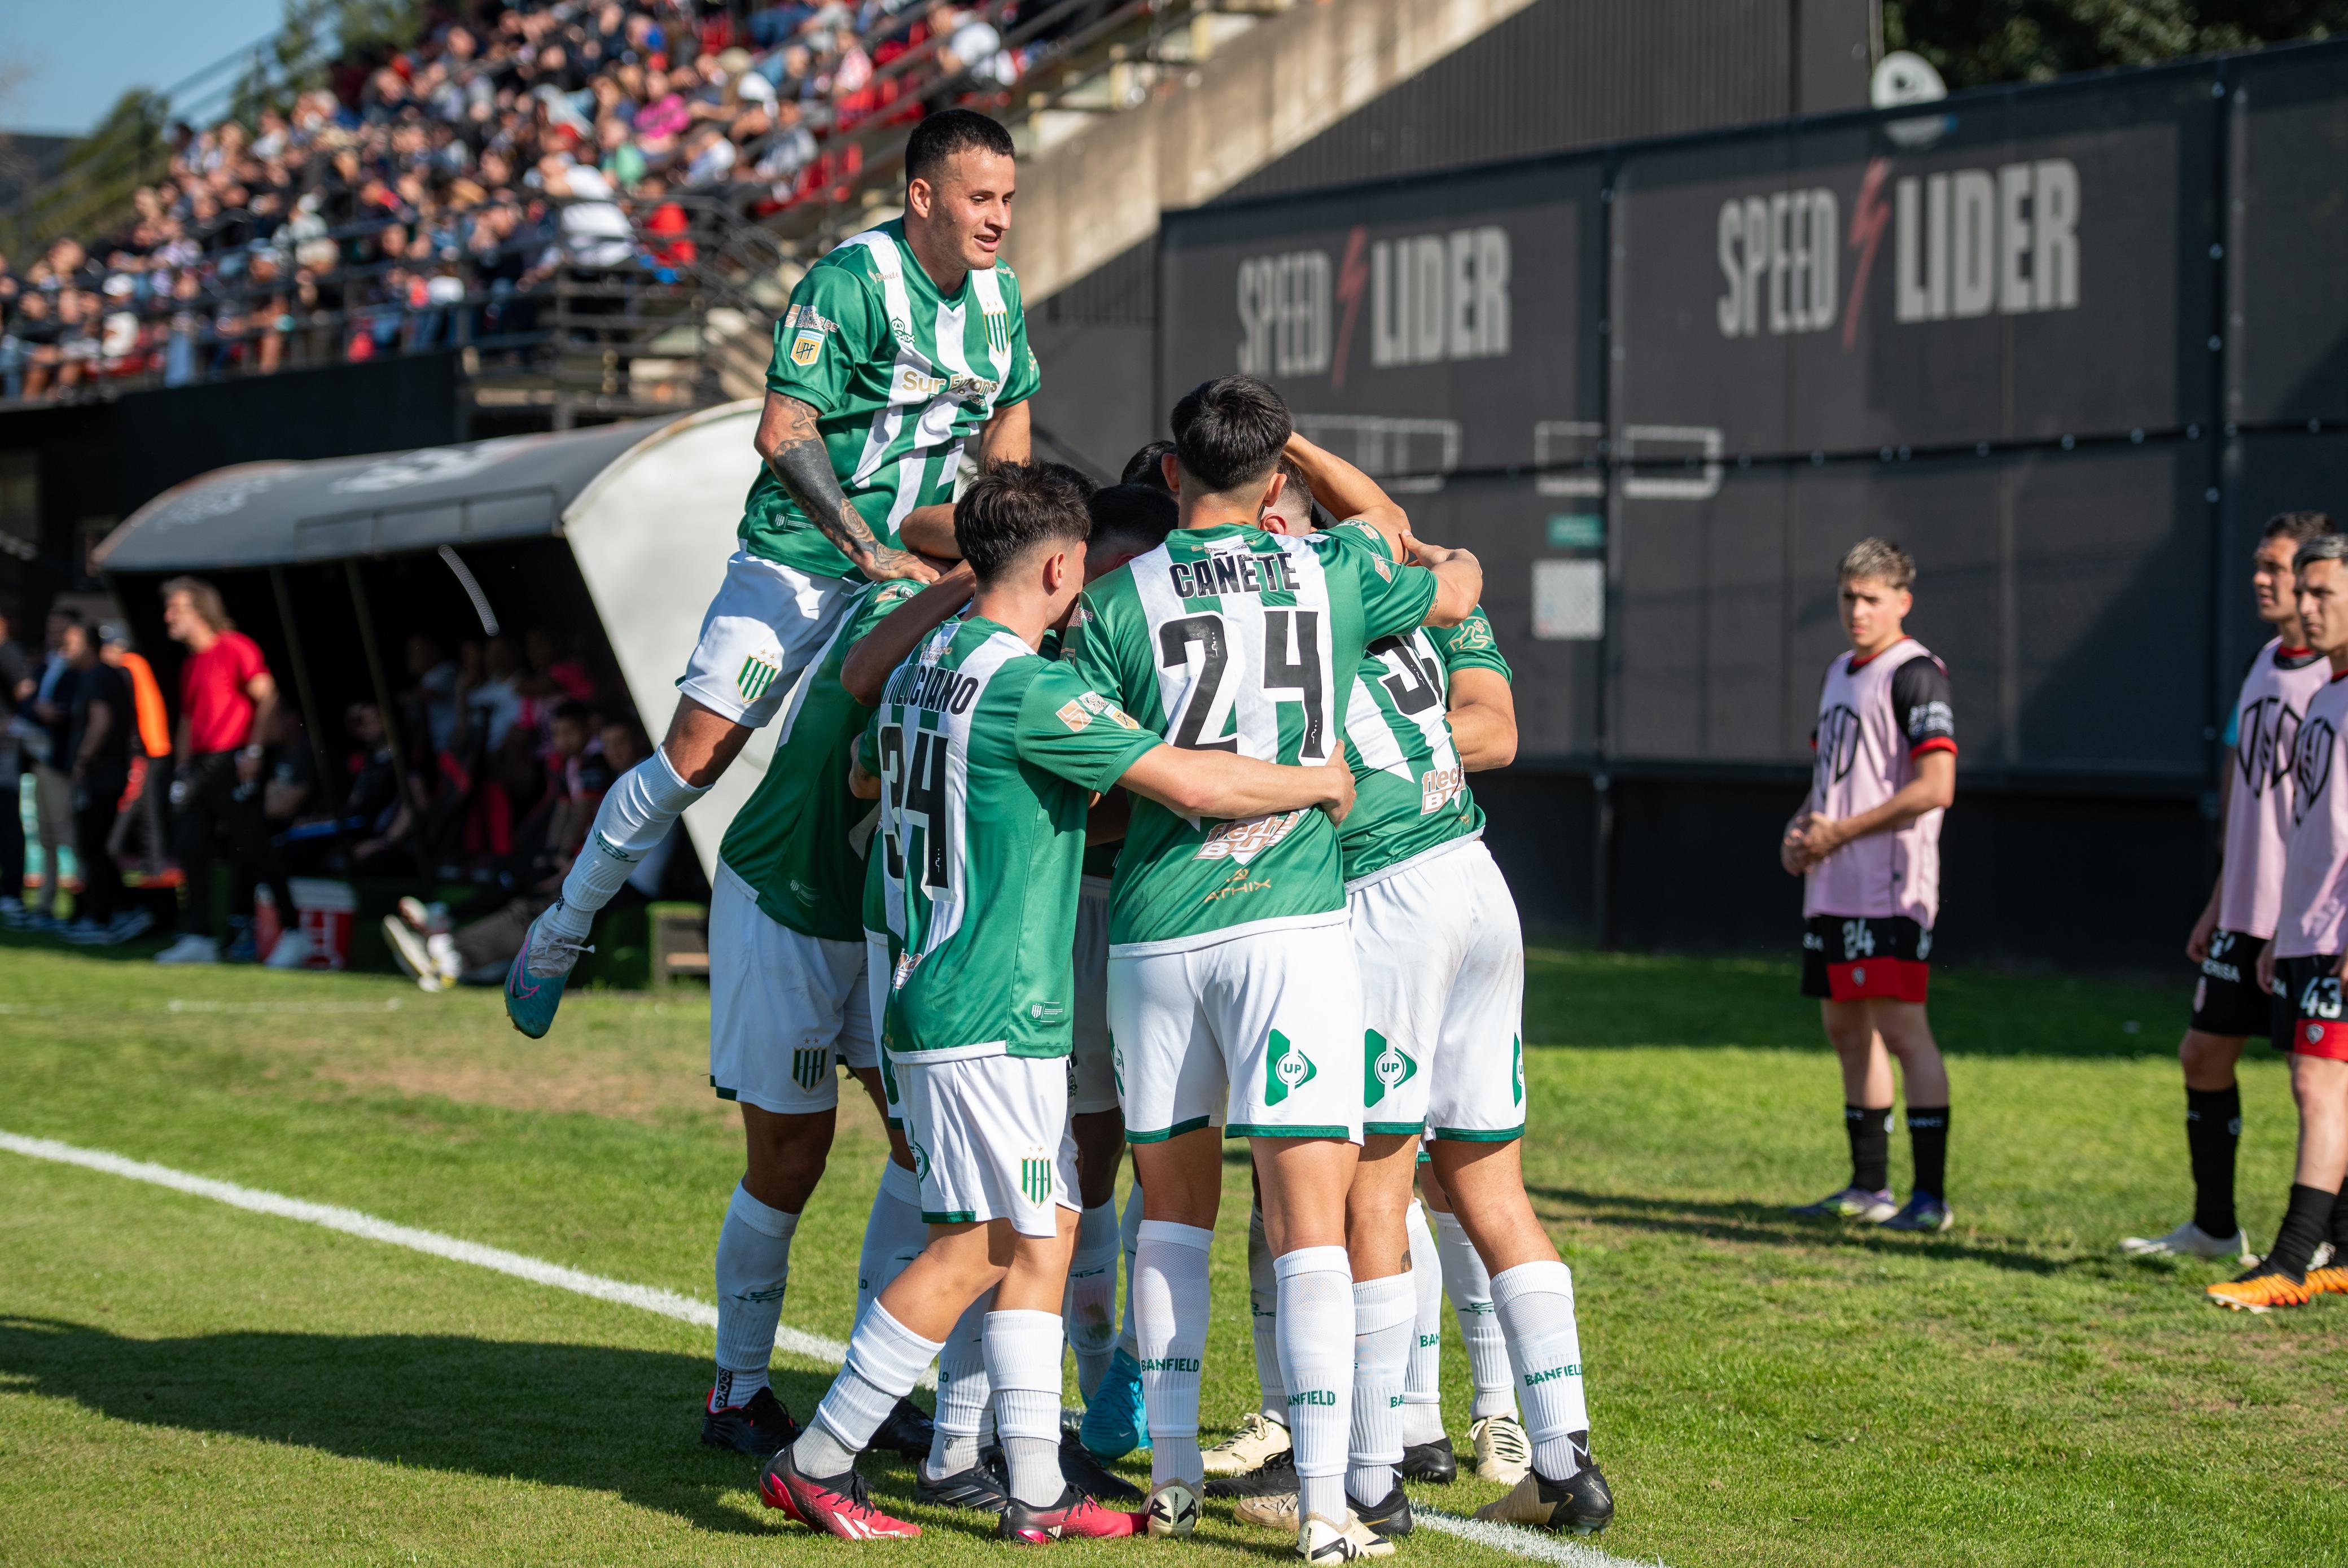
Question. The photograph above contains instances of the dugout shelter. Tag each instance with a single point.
(618, 535)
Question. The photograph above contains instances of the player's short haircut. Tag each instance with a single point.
(1148, 467)
(947, 133)
(2299, 527)
(2321, 547)
(1132, 518)
(1012, 507)
(1298, 488)
(1086, 484)
(209, 605)
(1879, 558)
(1229, 432)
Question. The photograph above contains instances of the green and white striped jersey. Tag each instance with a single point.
(899, 376)
(988, 755)
(1232, 639)
(1410, 793)
(800, 840)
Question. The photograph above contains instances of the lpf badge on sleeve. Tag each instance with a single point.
(805, 347)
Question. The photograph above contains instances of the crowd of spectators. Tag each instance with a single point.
(425, 200)
(506, 747)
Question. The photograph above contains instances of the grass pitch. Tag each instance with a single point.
(183, 1381)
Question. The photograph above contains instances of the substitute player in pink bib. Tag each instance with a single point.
(2260, 799)
(2304, 962)
(1868, 847)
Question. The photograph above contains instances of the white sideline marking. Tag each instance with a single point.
(1514, 1540)
(538, 1270)
(1518, 1541)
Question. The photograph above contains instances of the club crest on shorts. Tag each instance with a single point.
(1285, 1068)
(1035, 1177)
(1384, 1066)
(808, 1065)
(758, 672)
(921, 1157)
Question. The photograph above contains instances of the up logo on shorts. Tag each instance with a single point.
(1035, 1177)
(1517, 1069)
(1285, 1068)
(920, 1157)
(808, 1065)
(1384, 1066)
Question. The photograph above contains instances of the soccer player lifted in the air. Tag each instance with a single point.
(2229, 1004)
(1868, 848)
(986, 755)
(1234, 1005)
(899, 346)
(2304, 962)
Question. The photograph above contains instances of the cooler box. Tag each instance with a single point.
(329, 912)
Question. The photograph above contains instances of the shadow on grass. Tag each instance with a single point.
(1574, 997)
(1769, 1224)
(565, 1414)
(141, 951)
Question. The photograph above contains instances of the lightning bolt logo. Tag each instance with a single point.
(1869, 218)
(1353, 277)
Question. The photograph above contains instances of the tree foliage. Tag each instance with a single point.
(1976, 43)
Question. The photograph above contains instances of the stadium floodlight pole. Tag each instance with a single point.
(384, 705)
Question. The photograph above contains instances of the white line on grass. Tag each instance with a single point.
(1512, 1539)
(538, 1270)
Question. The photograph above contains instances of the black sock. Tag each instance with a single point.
(1928, 1140)
(2304, 1224)
(2340, 1235)
(2213, 1127)
(1869, 1131)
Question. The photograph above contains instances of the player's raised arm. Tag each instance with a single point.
(790, 444)
(892, 642)
(1347, 493)
(1458, 580)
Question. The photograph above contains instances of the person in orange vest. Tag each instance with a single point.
(151, 759)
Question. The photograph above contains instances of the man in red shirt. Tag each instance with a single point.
(226, 693)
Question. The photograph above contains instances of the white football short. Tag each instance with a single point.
(766, 625)
(786, 1009)
(1092, 1075)
(1260, 1035)
(990, 1139)
(1442, 992)
(876, 991)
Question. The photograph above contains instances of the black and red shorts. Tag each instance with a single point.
(2308, 1016)
(1851, 959)
(2227, 999)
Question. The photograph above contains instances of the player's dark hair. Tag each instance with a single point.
(1148, 467)
(2299, 527)
(948, 132)
(2322, 547)
(1229, 432)
(1086, 484)
(1879, 558)
(1132, 517)
(1012, 507)
(1300, 485)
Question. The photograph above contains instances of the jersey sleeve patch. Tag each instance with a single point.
(1069, 729)
(1470, 644)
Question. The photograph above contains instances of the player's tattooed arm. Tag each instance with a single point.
(793, 449)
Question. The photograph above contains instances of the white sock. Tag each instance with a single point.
(1170, 1321)
(441, 948)
(962, 1391)
(894, 1234)
(1422, 1392)
(1263, 1309)
(1022, 1363)
(885, 1360)
(1129, 1230)
(1089, 1306)
(1470, 1289)
(1385, 1322)
(1534, 1303)
(636, 814)
(754, 1265)
(1316, 1364)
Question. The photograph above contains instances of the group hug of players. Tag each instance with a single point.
(1136, 818)
(1101, 819)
